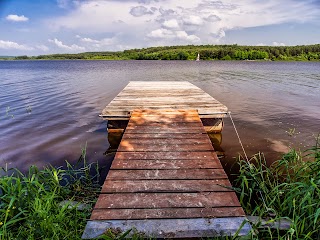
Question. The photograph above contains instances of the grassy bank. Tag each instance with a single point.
(32, 205)
(51, 203)
(288, 189)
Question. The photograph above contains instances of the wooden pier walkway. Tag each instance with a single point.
(167, 182)
(163, 95)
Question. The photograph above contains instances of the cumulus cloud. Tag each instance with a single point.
(278, 44)
(72, 48)
(173, 35)
(42, 47)
(13, 45)
(16, 18)
(193, 20)
(200, 21)
(140, 11)
(94, 44)
(172, 23)
(212, 18)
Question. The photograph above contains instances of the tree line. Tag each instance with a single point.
(207, 52)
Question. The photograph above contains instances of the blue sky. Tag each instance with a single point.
(34, 27)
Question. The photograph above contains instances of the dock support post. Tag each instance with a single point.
(212, 125)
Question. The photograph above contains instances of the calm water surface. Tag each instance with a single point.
(49, 109)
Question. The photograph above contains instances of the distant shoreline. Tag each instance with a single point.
(190, 52)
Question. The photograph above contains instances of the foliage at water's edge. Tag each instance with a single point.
(190, 52)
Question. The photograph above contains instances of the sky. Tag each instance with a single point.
(36, 27)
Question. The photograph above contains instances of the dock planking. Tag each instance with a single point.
(163, 95)
(165, 180)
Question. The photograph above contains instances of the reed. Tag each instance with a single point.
(288, 189)
(32, 207)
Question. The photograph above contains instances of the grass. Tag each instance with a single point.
(288, 189)
(30, 204)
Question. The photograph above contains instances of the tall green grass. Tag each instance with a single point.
(31, 204)
(288, 189)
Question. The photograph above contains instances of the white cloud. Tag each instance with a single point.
(193, 20)
(202, 21)
(73, 47)
(88, 40)
(163, 33)
(94, 44)
(13, 45)
(212, 18)
(172, 23)
(160, 33)
(140, 11)
(261, 44)
(278, 44)
(16, 18)
(42, 47)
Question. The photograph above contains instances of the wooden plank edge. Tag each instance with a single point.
(126, 116)
(172, 228)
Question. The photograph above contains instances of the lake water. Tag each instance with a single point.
(49, 109)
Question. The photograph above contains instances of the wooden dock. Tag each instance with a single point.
(163, 95)
(167, 182)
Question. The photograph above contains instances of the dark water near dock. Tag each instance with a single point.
(49, 109)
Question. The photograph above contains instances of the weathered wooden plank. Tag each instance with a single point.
(164, 164)
(161, 119)
(125, 115)
(155, 95)
(155, 146)
(147, 129)
(134, 124)
(167, 174)
(126, 111)
(168, 200)
(132, 106)
(165, 213)
(172, 228)
(129, 186)
(168, 141)
(165, 135)
(166, 155)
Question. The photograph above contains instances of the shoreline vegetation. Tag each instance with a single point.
(190, 52)
(55, 203)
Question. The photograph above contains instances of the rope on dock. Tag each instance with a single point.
(234, 126)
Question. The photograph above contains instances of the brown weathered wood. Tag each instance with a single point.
(148, 129)
(164, 164)
(166, 170)
(166, 213)
(156, 146)
(167, 174)
(168, 200)
(162, 95)
(194, 124)
(165, 135)
(129, 186)
(210, 156)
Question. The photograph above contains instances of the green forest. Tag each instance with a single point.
(190, 52)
